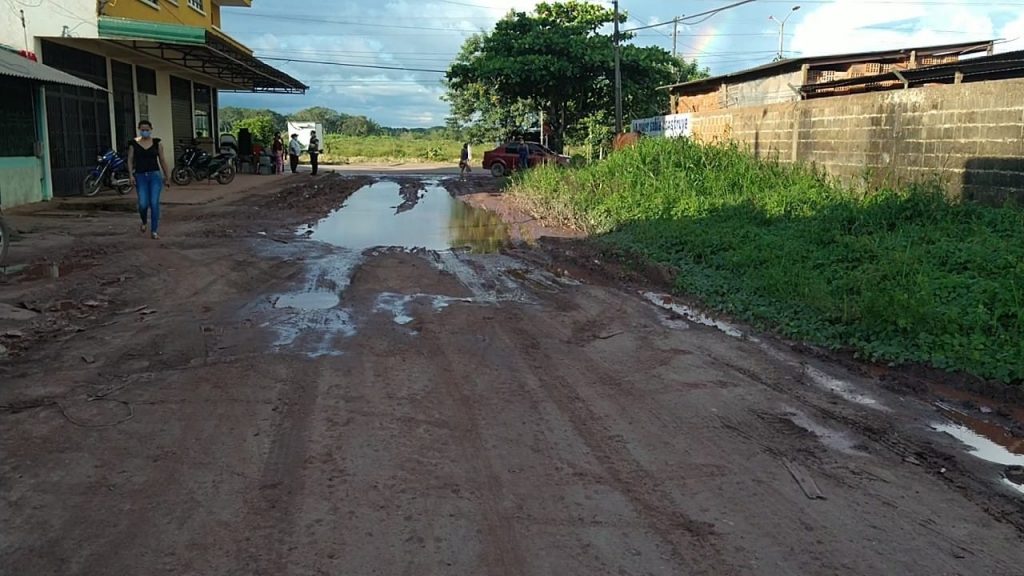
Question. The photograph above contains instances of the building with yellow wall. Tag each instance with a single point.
(164, 61)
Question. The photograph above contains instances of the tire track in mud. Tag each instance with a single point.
(270, 513)
(503, 554)
(878, 429)
(692, 542)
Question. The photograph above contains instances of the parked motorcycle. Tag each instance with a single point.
(5, 238)
(111, 171)
(198, 164)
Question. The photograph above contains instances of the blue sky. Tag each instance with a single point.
(427, 34)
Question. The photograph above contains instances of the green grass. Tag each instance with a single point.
(896, 275)
(340, 149)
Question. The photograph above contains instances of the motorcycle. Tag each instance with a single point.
(197, 164)
(111, 171)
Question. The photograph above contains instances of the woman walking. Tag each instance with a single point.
(149, 175)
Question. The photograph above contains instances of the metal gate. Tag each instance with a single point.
(124, 103)
(78, 119)
(181, 114)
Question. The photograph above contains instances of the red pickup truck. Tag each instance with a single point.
(505, 158)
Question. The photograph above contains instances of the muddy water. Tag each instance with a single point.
(382, 214)
(1001, 448)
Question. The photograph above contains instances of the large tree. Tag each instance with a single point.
(557, 60)
(230, 116)
(330, 119)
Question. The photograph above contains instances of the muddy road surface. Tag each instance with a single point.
(324, 376)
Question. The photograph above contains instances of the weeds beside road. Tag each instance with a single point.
(896, 275)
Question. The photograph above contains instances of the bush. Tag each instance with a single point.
(896, 275)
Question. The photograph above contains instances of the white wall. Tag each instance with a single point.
(47, 20)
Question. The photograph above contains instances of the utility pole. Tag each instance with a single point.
(542, 142)
(618, 73)
(24, 30)
(782, 31)
(675, 34)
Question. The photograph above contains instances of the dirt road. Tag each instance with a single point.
(237, 399)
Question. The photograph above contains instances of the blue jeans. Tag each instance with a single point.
(149, 185)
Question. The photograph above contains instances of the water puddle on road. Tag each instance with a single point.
(308, 300)
(668, 303)
(981, 446)
(986, 440)
(387, 214)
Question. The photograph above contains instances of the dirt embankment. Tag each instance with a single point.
(486, 192)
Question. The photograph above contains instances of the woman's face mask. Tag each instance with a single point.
(145, 133)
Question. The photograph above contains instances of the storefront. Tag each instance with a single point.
(24, 150)
(165, 73)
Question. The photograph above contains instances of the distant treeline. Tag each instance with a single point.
(263, 123)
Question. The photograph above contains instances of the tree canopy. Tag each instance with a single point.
(560, 61)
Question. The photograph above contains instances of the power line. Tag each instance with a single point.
(898, 2)
(357, 57)
(287, 18)
(708, 13)
(353, 65)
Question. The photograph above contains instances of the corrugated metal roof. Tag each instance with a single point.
(12, 64)
(796, 63)
(995, 67)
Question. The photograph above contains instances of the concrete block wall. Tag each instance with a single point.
(969, 137)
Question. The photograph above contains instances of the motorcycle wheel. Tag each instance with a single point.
(92, 184)
(226, 175)
(122, 189)
(5, 239)
(181, 176)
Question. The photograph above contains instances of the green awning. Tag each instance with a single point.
(124, 28)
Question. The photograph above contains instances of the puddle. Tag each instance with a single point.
(311, 321)
(841, 388)
(383, 214)
(665, 301)
(308, 301)
(1014, 485)
(832, 438)
(398, 304)
(981, 446)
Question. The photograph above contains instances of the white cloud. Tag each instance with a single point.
(428, 34)
(852, 26)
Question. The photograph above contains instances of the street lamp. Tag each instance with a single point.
(782, 30)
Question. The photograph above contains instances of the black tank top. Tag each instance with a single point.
(146, 159)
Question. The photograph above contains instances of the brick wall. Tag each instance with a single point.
(968, 136)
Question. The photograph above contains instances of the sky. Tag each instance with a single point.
(422, 37)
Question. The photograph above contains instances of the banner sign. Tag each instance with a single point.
(671, 126)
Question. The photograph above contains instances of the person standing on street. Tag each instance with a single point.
(524, 154)
(148, 173)
(294, 149)
(314, 151)
(277, 150)
(464, 157)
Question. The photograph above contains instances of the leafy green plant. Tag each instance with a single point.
(900, 275)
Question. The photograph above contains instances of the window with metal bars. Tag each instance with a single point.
(197, 4)
(18, 111)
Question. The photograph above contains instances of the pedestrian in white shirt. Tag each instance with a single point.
(294, 150)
